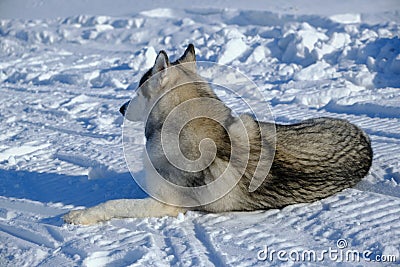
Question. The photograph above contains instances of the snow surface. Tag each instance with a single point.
(67, 66)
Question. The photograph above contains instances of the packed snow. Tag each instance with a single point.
(65, 70)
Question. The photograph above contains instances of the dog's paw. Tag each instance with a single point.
(83, 217)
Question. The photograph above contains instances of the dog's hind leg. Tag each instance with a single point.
(122, 208)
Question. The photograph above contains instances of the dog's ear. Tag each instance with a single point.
(188, 58)
(189, 55)
(162, 62)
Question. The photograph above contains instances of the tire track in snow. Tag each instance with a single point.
(180, 242)
(213, 255)
(341, 216)
(237, 238)
(27, 235)
(388, 127)
(54, 233)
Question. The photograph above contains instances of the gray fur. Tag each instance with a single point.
(313, 159)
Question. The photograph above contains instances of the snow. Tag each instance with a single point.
(67, 66)
(346, 18)
(233, 49)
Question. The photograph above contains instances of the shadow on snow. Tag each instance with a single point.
(69, 190)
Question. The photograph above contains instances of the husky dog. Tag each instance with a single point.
(312, 160)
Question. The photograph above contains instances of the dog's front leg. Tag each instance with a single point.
(122, 208)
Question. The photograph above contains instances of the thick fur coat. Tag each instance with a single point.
(309, 160)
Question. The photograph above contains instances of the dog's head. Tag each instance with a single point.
(161, 77)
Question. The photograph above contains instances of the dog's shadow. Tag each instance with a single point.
(67, 190)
